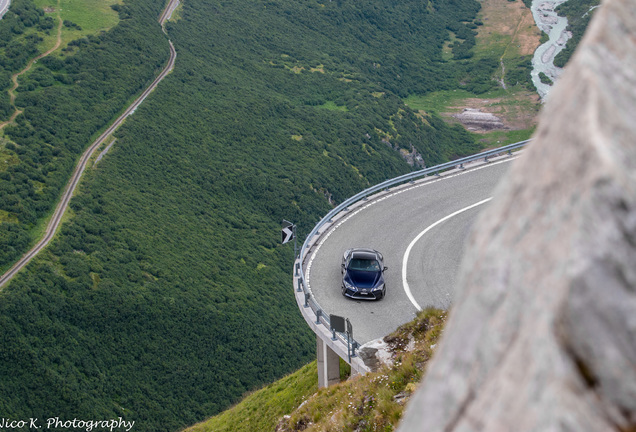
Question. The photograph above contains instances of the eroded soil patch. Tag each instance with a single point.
(508, 25)
(515, 112)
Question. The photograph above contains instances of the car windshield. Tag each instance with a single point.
(364, 265)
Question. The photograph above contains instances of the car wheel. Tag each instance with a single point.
(343, 290)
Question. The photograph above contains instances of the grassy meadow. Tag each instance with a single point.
(366, 403)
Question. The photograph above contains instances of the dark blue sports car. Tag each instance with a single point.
(363, 274)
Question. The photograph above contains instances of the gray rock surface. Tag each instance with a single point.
(542, 335)
(375, 354)
(474, 119)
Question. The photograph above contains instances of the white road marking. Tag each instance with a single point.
(405, 260)
(374, 201)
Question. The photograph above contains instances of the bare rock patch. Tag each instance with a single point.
(474, 119)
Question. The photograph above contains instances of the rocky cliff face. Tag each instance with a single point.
(542, 335)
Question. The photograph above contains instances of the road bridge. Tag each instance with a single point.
(420, 226)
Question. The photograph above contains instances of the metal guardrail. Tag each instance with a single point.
(4, 8)
(321, 316)
(310, 302)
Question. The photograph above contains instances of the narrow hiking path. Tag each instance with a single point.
(28, 67)
(58, 214)
(522, 19)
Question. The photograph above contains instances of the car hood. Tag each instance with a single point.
(364, 279)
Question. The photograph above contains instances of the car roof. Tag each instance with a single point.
(364, 253)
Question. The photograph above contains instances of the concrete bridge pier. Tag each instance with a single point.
(329, 351)
(328, 364)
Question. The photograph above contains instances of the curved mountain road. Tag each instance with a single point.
(58, 214)
(432, 219)
(4, 7)
(167, 12)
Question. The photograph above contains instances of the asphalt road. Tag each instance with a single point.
(4, 7)
(431, 221)
(58, 214)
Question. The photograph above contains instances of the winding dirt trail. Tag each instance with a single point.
(522, 19)
(56, 219)
(28, 67)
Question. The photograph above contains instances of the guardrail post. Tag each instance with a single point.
(297, 269)
(307, 295)
(349, 337)
(354, 346)
(318, 314)
(300, 285)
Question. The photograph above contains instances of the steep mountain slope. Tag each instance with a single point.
(362, 403)
(166, 296)
(65, 99)
(579, 13)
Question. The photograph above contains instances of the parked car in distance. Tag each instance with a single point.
(363, 274)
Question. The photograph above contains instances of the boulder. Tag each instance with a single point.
(542, 333)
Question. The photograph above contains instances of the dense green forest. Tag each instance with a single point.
(65, 100)
(166, 296)
(18, 44)
(579, 13)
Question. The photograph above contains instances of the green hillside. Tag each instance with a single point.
(373, 402)
(579, 13)
(167, 296)
(262, 409)
(66, 100)
(19, 39)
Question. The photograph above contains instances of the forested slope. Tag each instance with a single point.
(579, 13)
(167, 296)
(65, 101)
(18, 44)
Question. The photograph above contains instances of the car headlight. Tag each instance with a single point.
(379, 288)
(348, 285)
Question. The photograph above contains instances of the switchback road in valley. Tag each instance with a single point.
(54, 223)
